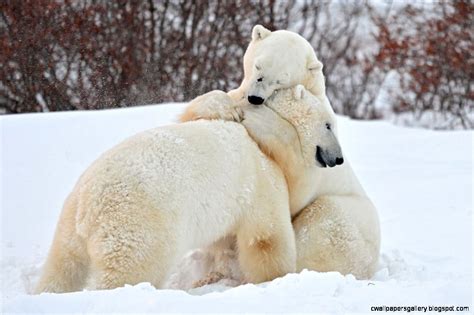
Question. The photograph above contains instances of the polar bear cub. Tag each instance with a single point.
(272, 61)
(144, 203)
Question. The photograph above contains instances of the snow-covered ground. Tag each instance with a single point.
(420, 180)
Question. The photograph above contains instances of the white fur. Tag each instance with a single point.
(145, 202)
(282, 59)
(343, 235)
(336, 225)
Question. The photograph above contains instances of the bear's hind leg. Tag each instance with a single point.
(127, 251)
(66, 267)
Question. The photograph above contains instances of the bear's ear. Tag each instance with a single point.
(315, 65)
(259, 32)
(299, 91)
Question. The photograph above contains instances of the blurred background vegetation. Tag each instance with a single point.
(381, 58)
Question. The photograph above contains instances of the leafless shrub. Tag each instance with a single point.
(432, 52)
(340, 33)
(64, 55)
(91, 54)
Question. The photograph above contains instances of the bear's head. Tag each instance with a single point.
(278, 60)
(294, 122)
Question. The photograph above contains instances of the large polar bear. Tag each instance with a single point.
(338, 208)
(273, 60)
(144, 203)
(336, 225)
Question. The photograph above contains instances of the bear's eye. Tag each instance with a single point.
(258, 67)
(328, 126)
(260, 79)
(278, 82)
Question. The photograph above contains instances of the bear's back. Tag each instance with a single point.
(205, 167)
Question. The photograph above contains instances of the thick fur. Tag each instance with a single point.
(144, 203)
(273, 60)
(336, 225)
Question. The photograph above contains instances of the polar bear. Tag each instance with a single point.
(272, 61)
(336, 225)
(267, 61)
(144, 203)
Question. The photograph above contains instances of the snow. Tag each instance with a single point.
(420, 181)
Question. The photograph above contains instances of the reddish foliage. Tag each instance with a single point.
(90, 54)
(437, 58)
(66, 55)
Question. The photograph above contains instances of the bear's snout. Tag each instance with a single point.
(255, 100)
(325, 159)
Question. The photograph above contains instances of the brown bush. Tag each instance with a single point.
(432, 52)
(340, 33)
(65, 55)
(92, 54)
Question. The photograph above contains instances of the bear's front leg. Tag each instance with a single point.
(266, 245)
(338, 233)
(213, 105)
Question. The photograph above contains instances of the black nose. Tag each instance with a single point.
(339, 160)
(255, 100)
